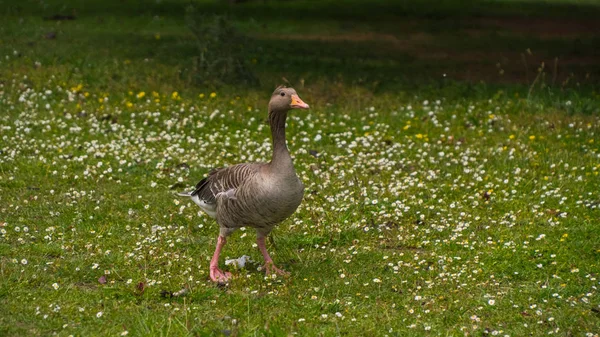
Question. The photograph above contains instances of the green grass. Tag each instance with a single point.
(457, 205)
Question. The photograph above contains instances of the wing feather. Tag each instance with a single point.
(222, 180)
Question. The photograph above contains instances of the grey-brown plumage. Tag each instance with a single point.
(257, 195)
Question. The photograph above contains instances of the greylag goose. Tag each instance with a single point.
(257, 195)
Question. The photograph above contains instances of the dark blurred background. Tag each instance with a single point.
(379, 45)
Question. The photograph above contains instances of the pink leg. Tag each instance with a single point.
(216, 274)
(269, 265)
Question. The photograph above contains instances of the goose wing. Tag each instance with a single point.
(224, 181)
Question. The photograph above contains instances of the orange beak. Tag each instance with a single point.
(297, 103)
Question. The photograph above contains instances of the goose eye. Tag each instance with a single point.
(283, 94)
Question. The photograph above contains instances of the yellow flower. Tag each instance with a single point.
(157, 36)
(492, 116)
(511, 137)
(406, 127)
(201, 95)
(129, 104)
(419, 136)
(77, 88)
(175, 95)
(155, 94)
(532, 137)
(141, 94)
(213, 94)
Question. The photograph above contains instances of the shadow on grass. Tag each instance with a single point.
(355, 10)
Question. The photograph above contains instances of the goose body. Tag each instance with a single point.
(248, 195)
(257, 195)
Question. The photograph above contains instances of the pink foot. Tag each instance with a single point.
(219, 276)
(216, 274)
(272, 269)
(269, 265)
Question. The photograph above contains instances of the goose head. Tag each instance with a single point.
(285, 99)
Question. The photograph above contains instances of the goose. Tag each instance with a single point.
(257, 195)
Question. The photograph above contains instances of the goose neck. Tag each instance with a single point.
(281, 155)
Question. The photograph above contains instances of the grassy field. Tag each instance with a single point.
(452, 181)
